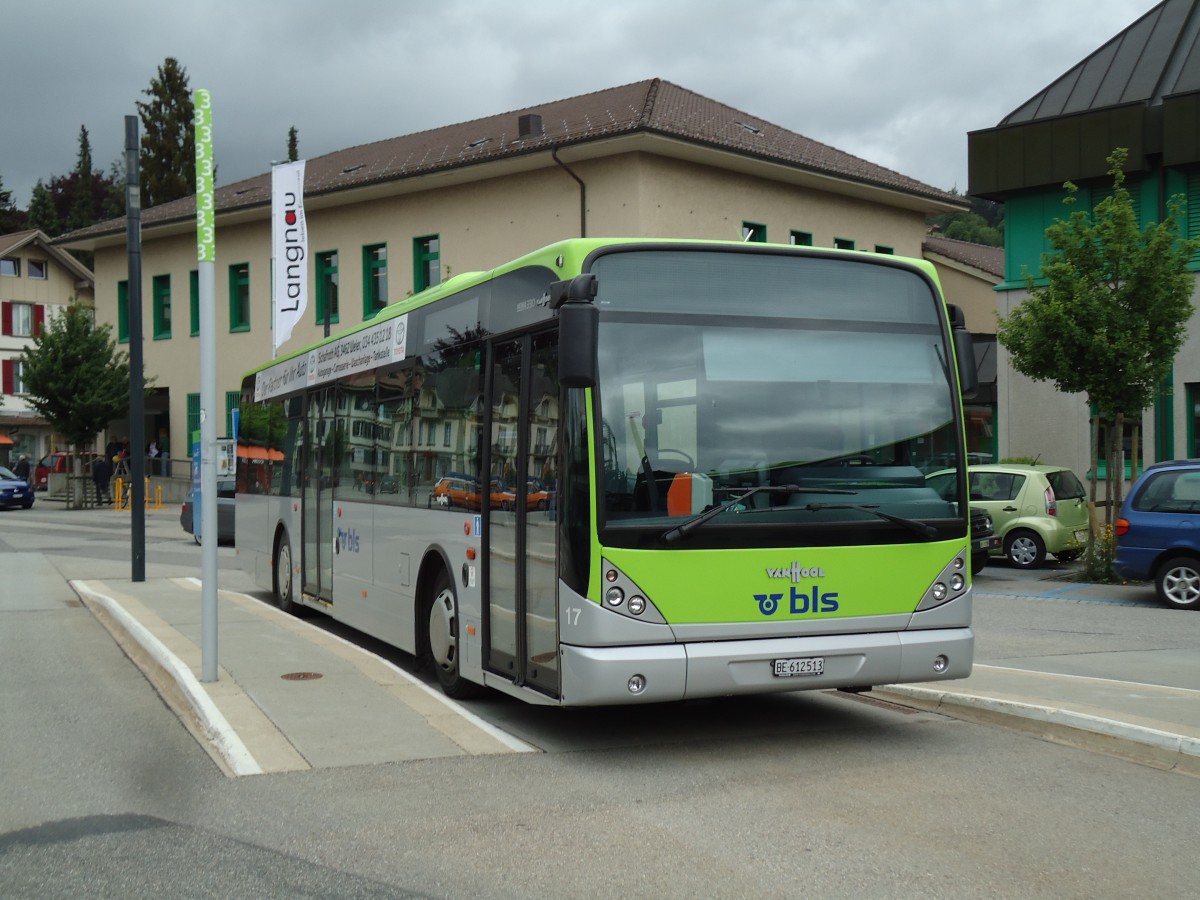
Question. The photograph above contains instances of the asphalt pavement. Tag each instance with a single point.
(291, 696)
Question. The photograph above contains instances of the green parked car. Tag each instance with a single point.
(1036, 509)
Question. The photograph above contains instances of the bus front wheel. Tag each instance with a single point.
(444, 639)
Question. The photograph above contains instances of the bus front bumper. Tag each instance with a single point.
(595, 676)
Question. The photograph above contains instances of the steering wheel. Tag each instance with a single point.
(685, 457)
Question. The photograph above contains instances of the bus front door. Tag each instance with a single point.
(522, 608)
(318, 497)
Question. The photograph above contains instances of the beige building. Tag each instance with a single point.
(390, 218)
(37, 282)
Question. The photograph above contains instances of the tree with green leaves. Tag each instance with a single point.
(42, 211)
(168, 153)
(1109, 316)
(76, 378)
(10, 216)
(293, 144)
(83, 206)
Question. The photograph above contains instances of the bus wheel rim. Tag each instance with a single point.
(442, 641)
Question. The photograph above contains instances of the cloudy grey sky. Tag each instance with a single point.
(896, 82)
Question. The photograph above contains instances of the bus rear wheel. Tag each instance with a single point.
(284, 586)
(443, 631)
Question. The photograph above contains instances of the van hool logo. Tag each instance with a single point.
(796, 572)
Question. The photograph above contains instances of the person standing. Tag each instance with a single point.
(21, 469)
(102, 473)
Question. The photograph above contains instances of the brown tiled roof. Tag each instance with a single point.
(34, 237)
(653, 106)
(979, 256)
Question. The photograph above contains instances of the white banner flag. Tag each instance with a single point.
(289, 239)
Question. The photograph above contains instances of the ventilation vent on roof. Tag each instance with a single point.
(355, 168)
(750, 128)
(530, 125)
(479, 143)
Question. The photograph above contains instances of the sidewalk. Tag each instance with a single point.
(1154, 723)
(288, 696)
(291, 696)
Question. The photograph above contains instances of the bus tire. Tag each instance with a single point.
(284, 586)
(443, 633)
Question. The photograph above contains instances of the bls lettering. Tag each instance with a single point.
(347, 540)
(814, 602)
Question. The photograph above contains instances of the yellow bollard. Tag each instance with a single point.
(119, 495)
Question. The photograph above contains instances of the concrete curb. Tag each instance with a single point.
(1148, 745)
(188, 691)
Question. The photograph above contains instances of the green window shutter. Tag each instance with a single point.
(239, 297)
(327, 286)
(193, 421)
(123, 312)
(375, 273)
(427, 265)
(194, 302)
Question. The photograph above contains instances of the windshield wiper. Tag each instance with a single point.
(921, 528)
(681, 531)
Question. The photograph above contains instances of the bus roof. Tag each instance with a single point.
(568, 256)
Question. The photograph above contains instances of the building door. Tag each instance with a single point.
(318, 496)
(521, 609)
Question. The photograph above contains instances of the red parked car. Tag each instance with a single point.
(58, 462)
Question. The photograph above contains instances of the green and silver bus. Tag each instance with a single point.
(630, 471)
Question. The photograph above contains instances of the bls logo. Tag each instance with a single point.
(816, 602)
(347, 539)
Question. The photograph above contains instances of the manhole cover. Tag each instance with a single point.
(300, 676)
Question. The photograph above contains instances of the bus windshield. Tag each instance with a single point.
(822, 382)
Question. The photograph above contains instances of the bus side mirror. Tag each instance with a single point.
(964, 353)
(578, 320)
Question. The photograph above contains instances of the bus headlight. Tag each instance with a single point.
(637, 604)
(614, 596)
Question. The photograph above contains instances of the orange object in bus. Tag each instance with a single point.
(689, 493)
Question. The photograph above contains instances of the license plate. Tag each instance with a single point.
(806, 665)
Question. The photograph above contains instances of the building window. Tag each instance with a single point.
(239, 297)
(800, 239)
(161, 287)
(374, 279)
(887, 251)
(327, 286)
(123, 312)
(427, 262)
(194, 303)
(754, 233)
(38, 269)
(14, 376)
(10, 266)
(445, 434)
(18, 319)
(843, 244)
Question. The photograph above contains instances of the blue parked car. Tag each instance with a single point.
(1158, 532)
(14, 490)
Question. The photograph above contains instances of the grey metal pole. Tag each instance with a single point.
(207, 254)
(137, 397)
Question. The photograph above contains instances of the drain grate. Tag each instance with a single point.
(300, 676)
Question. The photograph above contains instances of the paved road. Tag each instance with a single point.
(103, 792)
